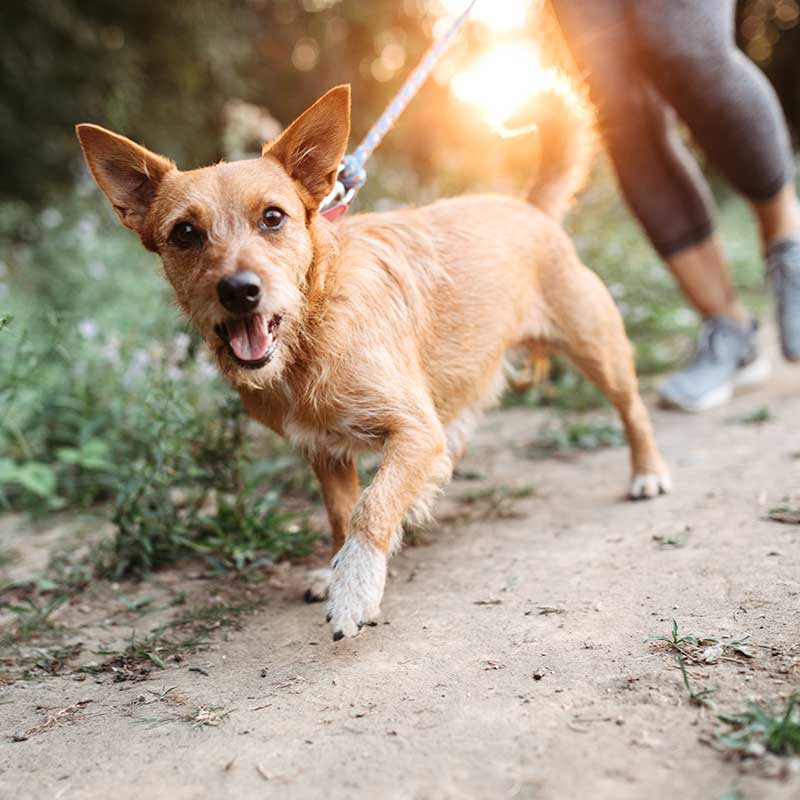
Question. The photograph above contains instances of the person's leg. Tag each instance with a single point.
(778, 217)
(689, 52)
(688, 49)
(665, 189)
(660, 180)
(702, 273)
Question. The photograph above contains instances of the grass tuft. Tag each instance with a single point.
(758, 416)
(760, 730)
(565, 438)
(785, 514)
(697, 648)
(110, 403)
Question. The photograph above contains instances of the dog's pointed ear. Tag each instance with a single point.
(311, 148)
(127, 173)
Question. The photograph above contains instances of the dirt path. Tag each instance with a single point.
(512, 661)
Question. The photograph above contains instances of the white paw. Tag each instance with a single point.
(646, 485)
(356, 589)
(317, 583)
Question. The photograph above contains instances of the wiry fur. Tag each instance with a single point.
(567, 143)
(394, 327)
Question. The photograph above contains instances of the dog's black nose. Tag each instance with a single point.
(240, 293)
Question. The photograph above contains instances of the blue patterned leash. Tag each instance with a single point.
(352, 174)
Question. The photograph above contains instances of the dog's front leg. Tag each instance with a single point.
(415, 459)
(338, 480)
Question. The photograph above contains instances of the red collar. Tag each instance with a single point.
(334, 213)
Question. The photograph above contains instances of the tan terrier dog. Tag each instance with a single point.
(382, 332)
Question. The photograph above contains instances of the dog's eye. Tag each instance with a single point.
(272, 219)
(186, 235)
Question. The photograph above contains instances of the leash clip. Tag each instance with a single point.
(340, 195)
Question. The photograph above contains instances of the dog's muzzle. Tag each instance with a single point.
(251, 340)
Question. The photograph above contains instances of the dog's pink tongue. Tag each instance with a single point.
(249, 338)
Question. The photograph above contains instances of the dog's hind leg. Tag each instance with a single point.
(460, 430)
(591, 333)
(338, 480)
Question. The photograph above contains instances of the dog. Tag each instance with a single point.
(382, 332)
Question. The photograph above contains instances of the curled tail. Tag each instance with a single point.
(567, 142)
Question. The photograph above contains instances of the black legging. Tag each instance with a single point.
(644, 58)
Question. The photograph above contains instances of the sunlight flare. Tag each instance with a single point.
(502, 16)
(501, 80)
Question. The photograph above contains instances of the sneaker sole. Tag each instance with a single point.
(750, 377)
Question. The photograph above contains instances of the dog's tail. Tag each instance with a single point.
(567, 139)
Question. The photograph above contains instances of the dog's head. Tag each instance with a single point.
(235, 239)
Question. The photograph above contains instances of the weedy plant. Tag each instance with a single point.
(785, 514)
(566, 437)
(760, 730)
(757, 416)
(698, 648)
(495, 502)
(701, 697)
(757, 731)
(107, 399)
(193, 496)
(672, 542)
(33, 617)
(198, 716)
(206, 716)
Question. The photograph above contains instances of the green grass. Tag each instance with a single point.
(33, 616)
(758, 416)
(785, 514)
(563, 436)
(494, 502)
(110, 403)
(755, 732)
(700, 648)
(759, 730)
(34, 643)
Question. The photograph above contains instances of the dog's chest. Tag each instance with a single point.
(342, 438)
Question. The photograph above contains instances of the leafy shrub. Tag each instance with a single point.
(107, 398)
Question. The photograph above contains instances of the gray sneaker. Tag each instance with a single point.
(783, 268)
(726, 359)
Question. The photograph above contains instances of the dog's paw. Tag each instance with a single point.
(646, 485)
(317, 583)
(356, 589)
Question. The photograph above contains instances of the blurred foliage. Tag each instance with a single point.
(563, 437)
(107, 398)
(157, 71)
(769, 31)
(172, 75)
(163, 73)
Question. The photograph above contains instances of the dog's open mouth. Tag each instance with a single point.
(251, 341)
